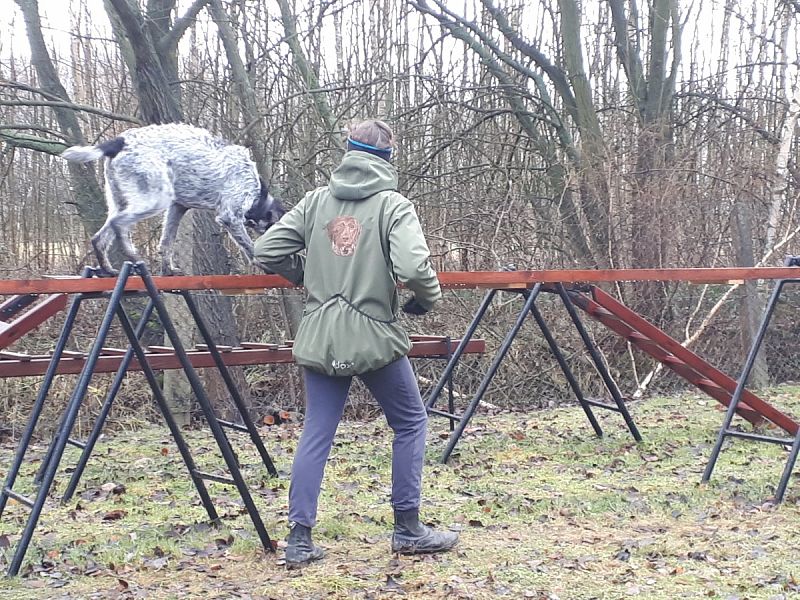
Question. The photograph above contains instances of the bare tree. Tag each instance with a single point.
(88, 197)
(151, 40)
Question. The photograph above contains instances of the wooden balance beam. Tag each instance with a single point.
(13, 364)
(448, 279)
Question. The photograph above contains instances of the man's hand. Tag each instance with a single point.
(412, 307)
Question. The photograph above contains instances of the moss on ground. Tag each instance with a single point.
(546, 510)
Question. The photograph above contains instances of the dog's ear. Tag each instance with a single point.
(276, 211)
(267, 210)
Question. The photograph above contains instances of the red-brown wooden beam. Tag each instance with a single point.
(448, 279)
(31, 319)
(17, 365)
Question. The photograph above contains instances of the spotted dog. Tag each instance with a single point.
(172, 168)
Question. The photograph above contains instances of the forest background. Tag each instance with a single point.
(545, 134)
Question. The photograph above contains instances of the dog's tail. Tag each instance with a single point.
(84, 154)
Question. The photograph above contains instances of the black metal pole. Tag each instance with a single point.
(451, 401)
(487, 378)
(742, 381)
(41, 397)
(106, 408)
(205, 404)
(172, 425)
(787, 470)
(611, 386)
(69, 420)
(562, 362)
(230, 384)
(451, 365)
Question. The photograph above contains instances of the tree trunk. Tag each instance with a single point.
(157, 101)
(750, 305)
(153, 43)
(652, 95)
(89, 199)
(255, 133)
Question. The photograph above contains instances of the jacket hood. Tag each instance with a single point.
(361, 175)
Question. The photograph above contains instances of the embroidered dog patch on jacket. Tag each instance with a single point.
(344, 233)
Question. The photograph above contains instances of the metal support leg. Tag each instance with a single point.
(487, 379)
(451, 400)
(787, 469)
(69, 420)
(742, 381)
(609, 382)
(41, 397)
(562, 362)
(172, 424)
(106, 408)
(205, 404)
(230, 384)
(451, 365)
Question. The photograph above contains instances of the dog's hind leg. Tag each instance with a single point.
(169, 231)
(141, 187)
(104, 238)
(122, 224)
(101, 242)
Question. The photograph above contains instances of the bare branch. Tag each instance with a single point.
(556, 75)
(29, 88)
(169, 41)
(78, 107)
(32, 142)
(306, 70)
(628, 54)
(770, 137)
(794, 5)
(31, 127)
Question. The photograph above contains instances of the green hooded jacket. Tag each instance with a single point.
(361, 237)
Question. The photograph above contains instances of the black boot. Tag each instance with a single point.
(300, 549)
(412, 537)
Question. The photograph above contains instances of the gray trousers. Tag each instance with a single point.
(395, 388)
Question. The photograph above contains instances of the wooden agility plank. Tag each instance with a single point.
(448, 279)
(724, 381)
(22, 365)
(32, 318)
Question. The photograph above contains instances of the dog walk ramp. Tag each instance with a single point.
(22, 314)
(653, 341)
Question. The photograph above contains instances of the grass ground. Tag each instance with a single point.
(546, 510)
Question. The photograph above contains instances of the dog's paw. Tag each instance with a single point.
(105, 272)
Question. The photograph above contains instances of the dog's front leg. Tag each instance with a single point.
(169, 231)
(235, 228)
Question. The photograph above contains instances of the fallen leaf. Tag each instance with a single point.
(114, 515)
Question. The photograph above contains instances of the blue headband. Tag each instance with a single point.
(362, 146)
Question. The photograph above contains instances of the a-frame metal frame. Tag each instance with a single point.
(726, 430)
(133, 333)
(529, 308)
